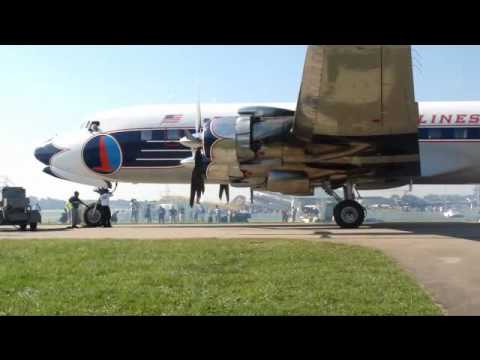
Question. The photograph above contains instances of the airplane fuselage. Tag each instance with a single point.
(142, 145)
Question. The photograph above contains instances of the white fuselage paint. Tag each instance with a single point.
(452, 160)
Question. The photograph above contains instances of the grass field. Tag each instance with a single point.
(203, 277)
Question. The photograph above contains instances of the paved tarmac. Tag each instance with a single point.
(444, 257)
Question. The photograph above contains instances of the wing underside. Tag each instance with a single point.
(357, 110)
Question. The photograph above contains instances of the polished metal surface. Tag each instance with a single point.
(356, 90)
(289, 182)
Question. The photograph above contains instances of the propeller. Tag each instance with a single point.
(224, 188)
(194, 141)
(197, 183)
(198, 122)
(251, 196)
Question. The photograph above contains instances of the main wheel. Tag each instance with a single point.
(349, 214)
(23, 227)
(33, 227)
(92, 216)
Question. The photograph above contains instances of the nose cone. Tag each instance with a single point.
(45, 153)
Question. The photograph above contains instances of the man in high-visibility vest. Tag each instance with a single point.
(68, 210)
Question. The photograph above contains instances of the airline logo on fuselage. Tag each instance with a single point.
(172, 119)
(449, 119)
(103, 154)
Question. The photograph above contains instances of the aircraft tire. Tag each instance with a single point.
(349, 214)
(92, 216)
(33, 227)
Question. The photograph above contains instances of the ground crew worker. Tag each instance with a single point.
(75, 202)
(105, 196)
(68, 212)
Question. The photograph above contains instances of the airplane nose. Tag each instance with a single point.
(45, 153)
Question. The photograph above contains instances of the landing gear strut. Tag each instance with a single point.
(348, 213)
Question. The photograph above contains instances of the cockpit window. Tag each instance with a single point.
(147, 135)
(93, 126)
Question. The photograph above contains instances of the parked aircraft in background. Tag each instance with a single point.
(356, 126)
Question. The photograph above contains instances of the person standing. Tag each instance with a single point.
(294, 215)
(181, 215)
(115, 217)
(161, 215)
(68, 212)
(105, 196)
(148, 213)
(75, 203)
(134, 207)
(173, 215)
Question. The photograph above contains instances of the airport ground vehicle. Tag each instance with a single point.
(241, 217)
(15, 209)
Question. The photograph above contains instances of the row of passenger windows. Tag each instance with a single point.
(449, 133)
(165, 135)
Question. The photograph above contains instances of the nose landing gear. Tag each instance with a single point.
(348, 213)
(92, 216)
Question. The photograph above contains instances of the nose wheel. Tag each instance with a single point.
(92, 216)
(349, 214)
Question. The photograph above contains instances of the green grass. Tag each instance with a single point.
(203, 277)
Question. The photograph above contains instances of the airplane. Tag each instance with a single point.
(356, 126)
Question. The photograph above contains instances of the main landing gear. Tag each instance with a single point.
(348, 213)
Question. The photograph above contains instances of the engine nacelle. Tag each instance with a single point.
(220, 150)
(244, 149)
(289, 182)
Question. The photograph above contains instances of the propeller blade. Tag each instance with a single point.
(251, 196)
(197, 182)
(189, 135)
(192, 194)
(225, 188)
(198, 123)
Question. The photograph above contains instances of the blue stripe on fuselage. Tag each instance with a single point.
(449, 133)
(133, 142)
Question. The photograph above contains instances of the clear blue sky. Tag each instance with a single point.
(46, 90)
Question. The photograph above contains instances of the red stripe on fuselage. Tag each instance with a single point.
(104, 163)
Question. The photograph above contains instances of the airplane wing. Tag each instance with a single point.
(357, 107)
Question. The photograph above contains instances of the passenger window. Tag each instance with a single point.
(423, 133)
(461, 134)
(474, 133)
(434, 133)
(448, 133)
(173, 134)
(146, 135)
